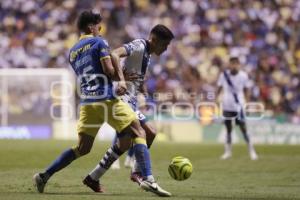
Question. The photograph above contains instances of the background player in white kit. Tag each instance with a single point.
(137, 58)
(235, 84)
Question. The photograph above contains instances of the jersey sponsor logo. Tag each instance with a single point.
(75, 53)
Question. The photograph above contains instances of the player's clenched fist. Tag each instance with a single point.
(121, 88)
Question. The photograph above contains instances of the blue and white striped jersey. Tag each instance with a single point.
(137, 62)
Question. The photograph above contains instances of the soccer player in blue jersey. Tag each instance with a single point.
(90, 58)
(137, 55)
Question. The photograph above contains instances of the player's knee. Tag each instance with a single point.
(141, 133)
(227, 123)
(76, 151)
(83, 150)
(85, 144)
(137, 130)
(123, 144)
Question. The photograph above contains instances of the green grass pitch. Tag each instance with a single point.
(276, 175)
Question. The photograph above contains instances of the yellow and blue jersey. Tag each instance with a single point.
(85, 58)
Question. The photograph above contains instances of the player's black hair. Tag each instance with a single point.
(162, 32)
(234, 59)
(87, 18)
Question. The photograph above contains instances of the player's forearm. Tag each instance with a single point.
(107, 67)
(118, 73)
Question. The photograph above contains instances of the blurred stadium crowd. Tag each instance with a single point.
(264, 34)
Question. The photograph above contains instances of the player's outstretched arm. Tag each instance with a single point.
(119, 76)
(116, 54)
(120, 52)
(115, 58)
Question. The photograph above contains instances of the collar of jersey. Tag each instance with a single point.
(85, 36)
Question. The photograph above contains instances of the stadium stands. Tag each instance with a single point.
(264, 34)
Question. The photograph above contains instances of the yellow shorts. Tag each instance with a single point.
(115, 112)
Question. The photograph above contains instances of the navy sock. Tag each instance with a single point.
(143, 159)
(61, 162)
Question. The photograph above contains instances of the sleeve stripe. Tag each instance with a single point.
(102, 58)
(127, 50)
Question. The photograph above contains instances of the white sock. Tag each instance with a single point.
(109, 158)
(251, 147)
(97, 172)
(150, 178)
(227, 148)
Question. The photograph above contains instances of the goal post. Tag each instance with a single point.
(37, 103)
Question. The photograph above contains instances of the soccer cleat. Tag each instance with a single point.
(136, 177)
(94, 185)
(226, 156)
(154, 188)
(39, 183)
(253, 155)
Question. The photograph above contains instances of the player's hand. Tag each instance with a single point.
(130, 76)
(121, 88)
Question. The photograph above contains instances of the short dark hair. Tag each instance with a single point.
(234, 59)
(162, 32)
(87, 18)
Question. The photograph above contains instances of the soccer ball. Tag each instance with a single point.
(180, 168)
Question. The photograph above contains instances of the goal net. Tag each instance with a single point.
(37, 103)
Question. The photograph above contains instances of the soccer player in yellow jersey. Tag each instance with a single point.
(91, 61)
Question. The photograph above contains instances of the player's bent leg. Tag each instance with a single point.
(140, 148)
(116, 164)
(136, 175)
(40, 179)
(67, 157)
(123, 119)
(119, 115)
(142, 156)
(92, 179)
(112, 154)
(130, 159)
(85, 144)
